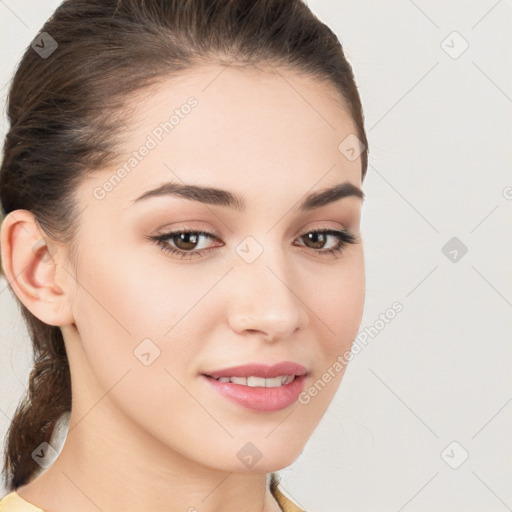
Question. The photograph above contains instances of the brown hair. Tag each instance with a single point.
(63, 110)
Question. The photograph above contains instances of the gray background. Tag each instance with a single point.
(433, 386)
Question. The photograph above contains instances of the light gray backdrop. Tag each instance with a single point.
(423, 417)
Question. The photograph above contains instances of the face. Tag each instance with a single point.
(170, 288)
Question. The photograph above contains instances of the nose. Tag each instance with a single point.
(264, 300)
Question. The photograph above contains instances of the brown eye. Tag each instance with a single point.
(186, 241)
(317, 239)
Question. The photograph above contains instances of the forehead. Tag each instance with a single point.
(239, 129)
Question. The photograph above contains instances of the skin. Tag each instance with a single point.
(158, 437)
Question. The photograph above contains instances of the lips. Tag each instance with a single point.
(259, 387)
(260, 370)
(259, 399)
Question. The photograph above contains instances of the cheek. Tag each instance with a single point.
(134, 325)
(336, 301)
(126, 308)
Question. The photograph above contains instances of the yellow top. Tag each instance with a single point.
(13, 502)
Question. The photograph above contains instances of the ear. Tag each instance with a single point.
(29, 261)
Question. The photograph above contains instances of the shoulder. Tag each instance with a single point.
(13, 502)
(285, 503)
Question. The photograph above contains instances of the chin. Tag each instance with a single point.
(279, 459)
(272, 457)
(275, 465)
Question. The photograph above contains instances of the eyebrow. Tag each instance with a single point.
(219, 197)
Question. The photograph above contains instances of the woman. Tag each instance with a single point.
(181, 187)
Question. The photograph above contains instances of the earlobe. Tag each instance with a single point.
(29, 261)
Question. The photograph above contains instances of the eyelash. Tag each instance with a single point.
(344, 237)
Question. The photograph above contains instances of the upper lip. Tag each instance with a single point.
(260, 370)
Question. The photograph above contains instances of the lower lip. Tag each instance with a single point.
(258, 398)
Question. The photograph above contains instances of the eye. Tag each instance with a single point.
(183, 243)
(342, 238)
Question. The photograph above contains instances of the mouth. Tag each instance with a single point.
(259, 387)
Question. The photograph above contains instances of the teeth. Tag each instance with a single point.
(239, 380)
(275, 381)
(288, 379)
(260, 382)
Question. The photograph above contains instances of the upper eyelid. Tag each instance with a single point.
(214, 234)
